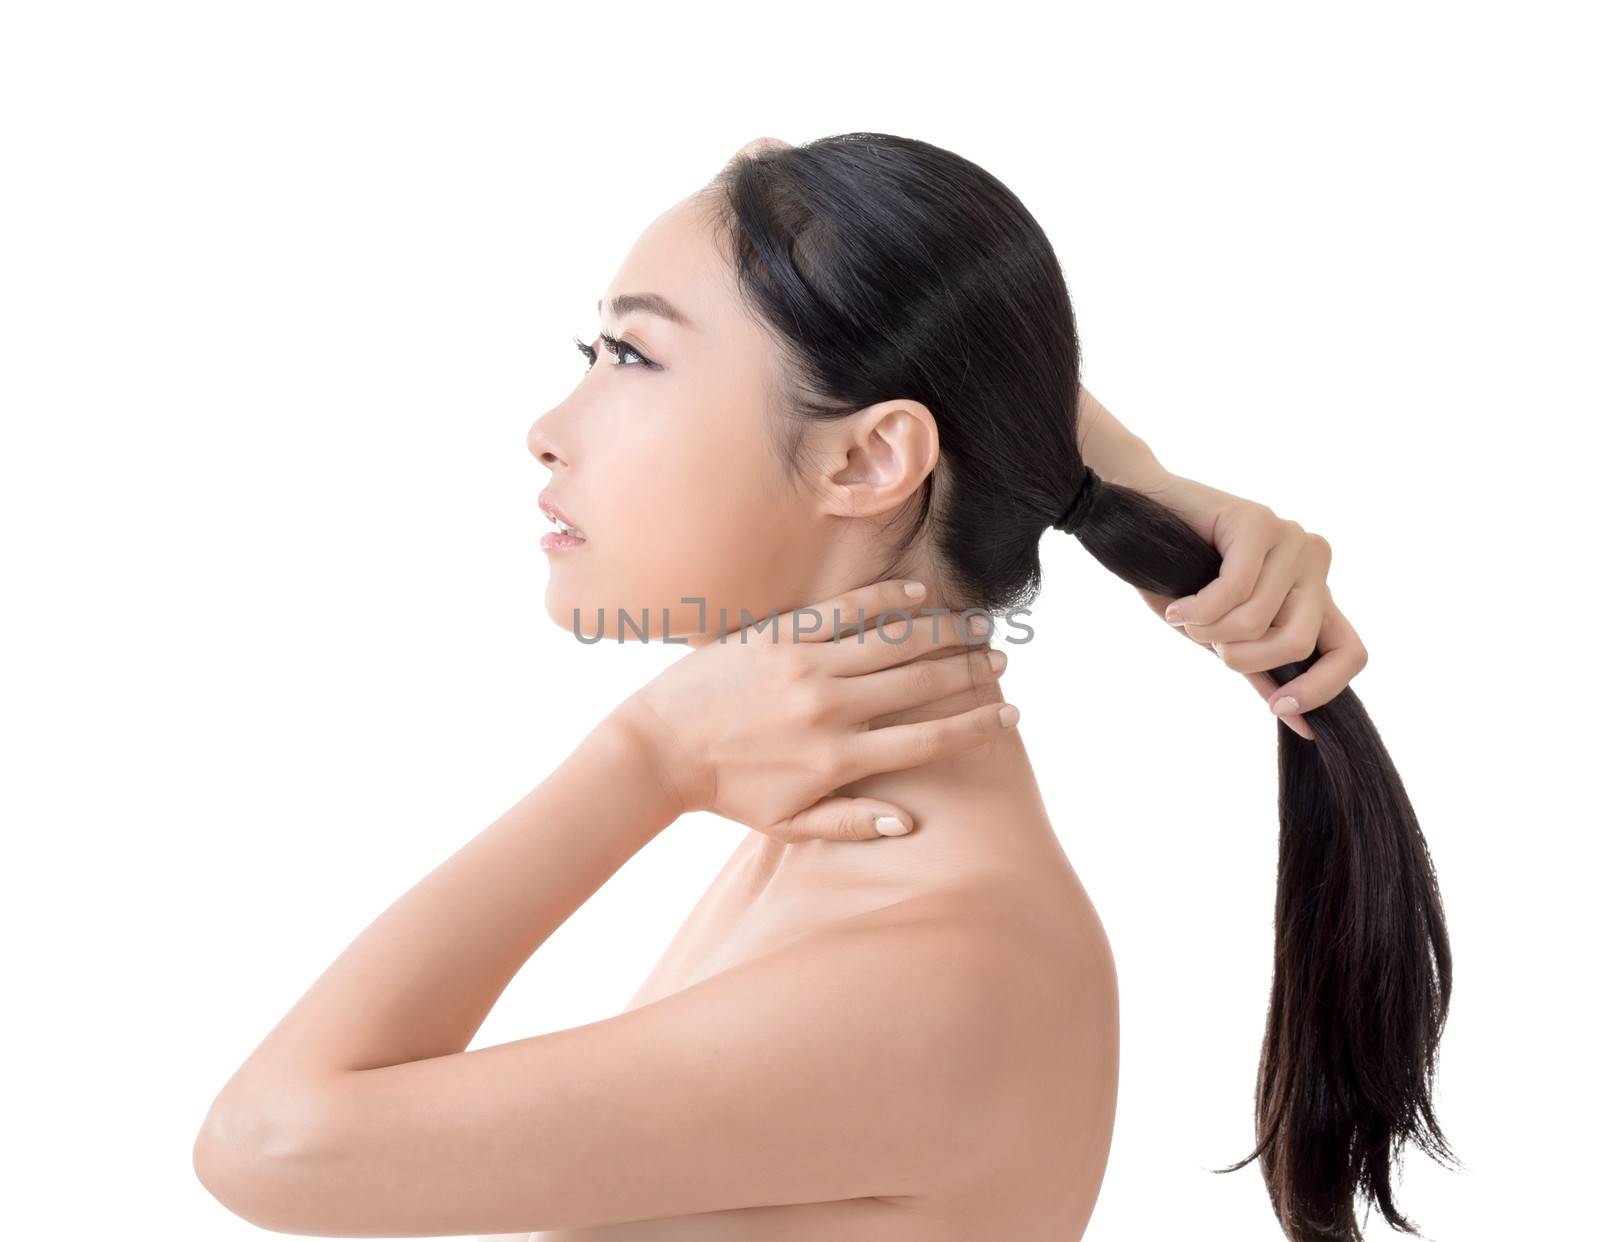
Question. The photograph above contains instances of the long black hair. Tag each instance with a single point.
(888, 267)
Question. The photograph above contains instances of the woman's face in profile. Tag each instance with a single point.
(663, 455)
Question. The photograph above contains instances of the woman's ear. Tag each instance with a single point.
(876, 458)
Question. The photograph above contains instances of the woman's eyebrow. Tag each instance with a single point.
(653, 303)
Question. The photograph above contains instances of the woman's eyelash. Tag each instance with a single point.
(616, 348)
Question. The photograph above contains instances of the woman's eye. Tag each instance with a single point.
(620, 350)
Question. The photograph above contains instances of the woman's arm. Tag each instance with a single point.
(420, 980)
(852, 1064)
(838, 1068)
(1111, 450)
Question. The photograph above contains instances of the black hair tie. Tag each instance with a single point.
(1078, 511)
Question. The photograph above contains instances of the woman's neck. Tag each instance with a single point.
(976, 813)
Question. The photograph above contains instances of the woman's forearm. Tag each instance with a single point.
(419, 981)
(1110, 449)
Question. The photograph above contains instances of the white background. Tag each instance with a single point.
(284, 285)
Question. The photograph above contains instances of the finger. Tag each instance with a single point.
(843, 819)
(1157, 602)
(845, 614)
(1293, 637)
(1264, 687)
(1343, 655)
(895, 747)
(1251, 618)
(896, 641)
(1241, 564)
(921, 681)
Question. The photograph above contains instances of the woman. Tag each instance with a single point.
(841, 385)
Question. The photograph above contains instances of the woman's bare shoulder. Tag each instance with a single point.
(1034, 936)
(1037, 906)
(1038, 963)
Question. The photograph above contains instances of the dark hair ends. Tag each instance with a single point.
(888, 267)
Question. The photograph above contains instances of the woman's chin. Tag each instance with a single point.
(573, 616)
(593, 623)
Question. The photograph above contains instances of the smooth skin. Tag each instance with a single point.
(855, 1035)
(361, 1113)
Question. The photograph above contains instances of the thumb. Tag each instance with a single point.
(842, 819)
(1159, 604)
(1266, 688)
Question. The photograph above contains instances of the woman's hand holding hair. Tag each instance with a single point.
(1269, 605)
(763, 724)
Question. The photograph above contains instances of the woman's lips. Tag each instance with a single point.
(570, 537)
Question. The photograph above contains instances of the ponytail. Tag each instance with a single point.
(1361, 962)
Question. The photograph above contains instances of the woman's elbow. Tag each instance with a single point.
(247, 1154)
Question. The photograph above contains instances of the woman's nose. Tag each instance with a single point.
(542, 445)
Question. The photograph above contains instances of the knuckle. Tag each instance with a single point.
(1254, 617)
(849, 825)
(811, 703)
(798, 662)
(927, 744)
(925, 679)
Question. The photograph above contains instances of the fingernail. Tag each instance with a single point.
(890, 826)
(1217, 647)
(978, 625)
(916, 590)
(1285, 706)
(997, 661)
(1174, 614)
(1008, 715)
